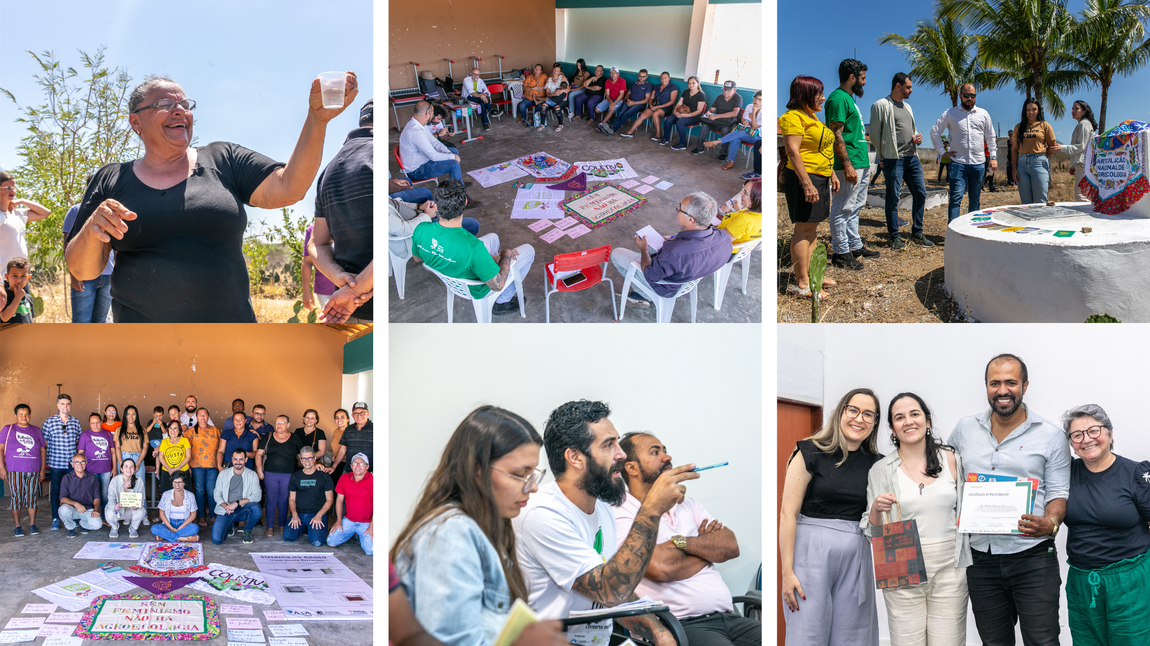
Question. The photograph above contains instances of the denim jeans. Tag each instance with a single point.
(248, 514)
(759, 157)
(105, 480)
(417, 195)
(962, 177)
(57, 476)
(314, 536)
(737, 138)
(431, 169)
(1033, 178)
(571, 99)
(845, 207)
(69, 516)
(578, 101)
(524, 106)
(896, 170)
(1009, 588)
(92, 304)
(347, 530)
(522, 262)
(680, 125)
(484, 109)
(605, 105)
(161, 530)
(205, 479)
(626, 113)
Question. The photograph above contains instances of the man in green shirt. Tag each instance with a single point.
(449, 249)
(852, 166)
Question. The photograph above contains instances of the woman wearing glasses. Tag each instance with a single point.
(923, 476)
(828, 576)
(456, 556)
(1107, 537)
(175, 217)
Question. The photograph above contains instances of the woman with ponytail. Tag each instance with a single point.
(115, 511)
(924, 477)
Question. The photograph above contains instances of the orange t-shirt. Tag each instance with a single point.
(205, 444)
(533, 88)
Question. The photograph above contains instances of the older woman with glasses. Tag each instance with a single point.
(828, 573)
(1107, 536)
(175, 217)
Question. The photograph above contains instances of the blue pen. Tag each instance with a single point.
(713, 466)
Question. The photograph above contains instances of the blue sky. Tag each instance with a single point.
(815, 48)
(248, 64)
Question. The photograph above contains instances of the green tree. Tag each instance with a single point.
(81, 125)
(290, 235)
(1109, 40)
(942, 54)
(256, 249)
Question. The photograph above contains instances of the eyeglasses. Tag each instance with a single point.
(1092, 432)
(853, 412)
(529, 481)
(168, 104)
(967, 96)
(79, 462)
(310, 457)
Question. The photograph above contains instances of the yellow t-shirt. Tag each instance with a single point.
(173, 454)
(817, 147)
(743, 225)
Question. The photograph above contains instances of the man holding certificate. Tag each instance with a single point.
(1023, 464)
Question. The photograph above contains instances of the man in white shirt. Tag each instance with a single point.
(690, 541)
(423, 155)
(970, 130)
(565, 537)
(475, 91)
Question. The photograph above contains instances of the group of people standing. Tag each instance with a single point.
(205, 475)
(839, 490)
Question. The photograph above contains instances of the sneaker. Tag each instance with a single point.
(664, 142)
(864, 253)
(83, 530)
(846, 261)
(248, 537)
(115, 532)
(146, 521)
(33, 530)
(55, 524)
(132, 533)
(624, 134)
(487, 126)
(896, 244)
(635, 300)
(232, 531)
(71, 533)
(679, 146)
(505, 308)
(18, 533)
(697, 150)
(656, 139)
(921, 240)
(751, 175)
(606, 128)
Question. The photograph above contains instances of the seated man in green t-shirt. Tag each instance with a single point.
(452, 251)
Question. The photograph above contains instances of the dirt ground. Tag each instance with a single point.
(897, 287)
(57, 310)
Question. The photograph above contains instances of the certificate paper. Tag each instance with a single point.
(994, 507)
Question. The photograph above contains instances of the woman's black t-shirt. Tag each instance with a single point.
(692, 101)
(835, 492)
(310, 439)
(279, 457)
(181, 260)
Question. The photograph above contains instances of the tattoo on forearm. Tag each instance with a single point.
(614, 582)
(500, 278)
(641, 627)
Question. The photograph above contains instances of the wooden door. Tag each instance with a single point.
(795, 422)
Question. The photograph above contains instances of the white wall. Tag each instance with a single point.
(630, 38)
(1068, 365)
(688, 385)
(799, 363)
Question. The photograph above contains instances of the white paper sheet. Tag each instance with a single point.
(288, 630)
(315, 585)
(993, 507)
(110, 551)
(235, 609)
(56, 630)
(246, 636)
(654, 240)
(38, 609)
(63, 641)
(497, 174)
(17, 636)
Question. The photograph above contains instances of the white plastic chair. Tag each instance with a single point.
(397, 266)
(460, 287)
(664, 305)
(742, 252)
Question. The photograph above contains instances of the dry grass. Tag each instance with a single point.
(897, 287)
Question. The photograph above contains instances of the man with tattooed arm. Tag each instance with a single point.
(565, 537)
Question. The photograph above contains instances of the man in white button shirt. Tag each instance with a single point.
(565, 537)
(475, 91)
(970, 130)
(423, 155)
(682, 573)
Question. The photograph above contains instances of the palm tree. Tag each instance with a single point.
(1109, 41)
(942, 54)
(1026, 40)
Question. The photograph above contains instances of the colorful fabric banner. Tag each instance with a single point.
(162, 585)
(1115, 177)
(140, 617)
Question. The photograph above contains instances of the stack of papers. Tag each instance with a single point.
(645, 602)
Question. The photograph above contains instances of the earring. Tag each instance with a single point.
(928, 431)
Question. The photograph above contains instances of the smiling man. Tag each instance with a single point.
(1016, 576)
(566, 534)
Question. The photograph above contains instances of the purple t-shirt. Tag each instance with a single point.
(97, 447)
(22, 446)
(322, 284)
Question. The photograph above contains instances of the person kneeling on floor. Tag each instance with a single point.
(237, 498)
(354, 490)
(309, 499)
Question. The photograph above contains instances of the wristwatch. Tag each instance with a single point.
(1053, 532)
(680, 541)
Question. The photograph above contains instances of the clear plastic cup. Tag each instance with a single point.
(331, 87)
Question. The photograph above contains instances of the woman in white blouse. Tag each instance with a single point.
(15, 215)
(557, 89)
(924, 477)
(115, 511)
(1083, 133)
(177, 514)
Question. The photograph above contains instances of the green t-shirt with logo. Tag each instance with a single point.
(454, 252)
(840, 106)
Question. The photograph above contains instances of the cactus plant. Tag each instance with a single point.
(818, 270)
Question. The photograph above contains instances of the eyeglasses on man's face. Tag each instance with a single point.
(528, 481)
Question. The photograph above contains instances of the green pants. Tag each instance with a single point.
(1109, 607)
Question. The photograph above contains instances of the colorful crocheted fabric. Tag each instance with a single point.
(1115, 177)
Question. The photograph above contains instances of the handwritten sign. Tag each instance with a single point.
(150, 616)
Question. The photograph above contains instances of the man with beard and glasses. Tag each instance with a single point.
(565, 537)
(188, 417)
(1016, 577)
(852, 166)
(682, 573)
(970, 131)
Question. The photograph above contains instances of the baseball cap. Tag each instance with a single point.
(729, 85)
(614, 69)
(361, 456)
(362, 405)
(366, 115)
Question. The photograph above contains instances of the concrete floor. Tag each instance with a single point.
(425, 294)
(35, 561)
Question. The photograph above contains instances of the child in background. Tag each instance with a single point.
(19, 303)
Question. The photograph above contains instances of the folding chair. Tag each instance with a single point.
(402, 169)
(664, 305)
(498, 88)
(398, 266)
(742, 252)
(593, 264)
(460, 287)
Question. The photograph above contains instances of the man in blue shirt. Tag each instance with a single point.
(1016, 577)
(229, 423)
(635, 103)
(61, 433)
(257, 424)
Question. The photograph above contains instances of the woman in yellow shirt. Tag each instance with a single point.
(173, 455)
(1034, 143)
(745, 223)
(808, 179)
